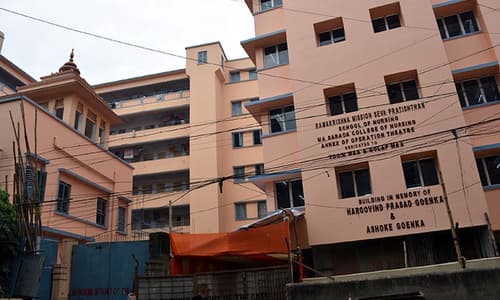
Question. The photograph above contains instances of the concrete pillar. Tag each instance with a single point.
(61, 273)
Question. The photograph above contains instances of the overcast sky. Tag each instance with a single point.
(167, 25)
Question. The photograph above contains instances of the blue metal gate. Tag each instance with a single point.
(48, 249)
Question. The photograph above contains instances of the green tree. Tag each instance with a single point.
(9, 238)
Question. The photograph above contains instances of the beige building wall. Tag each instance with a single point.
(208, 93)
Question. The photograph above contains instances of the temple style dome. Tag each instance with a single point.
(70, 65)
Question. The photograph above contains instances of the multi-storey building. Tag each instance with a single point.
(83, 189)
(184, 131)
(374, 113)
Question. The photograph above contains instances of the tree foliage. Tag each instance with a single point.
(9, 237)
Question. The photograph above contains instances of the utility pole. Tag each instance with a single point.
(458, 251)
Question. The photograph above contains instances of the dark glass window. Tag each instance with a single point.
(122, 211)
(477, 91)
(393, 21)
(240, 211)
(237, 139)
(259, 169)
(395, 93)
(289, 194)
(379, 25)
(458, 25)
(354, 183)
(420, 172)
(239, 174)
(343, 104)
(333, 36)
(404, 91)
(101, 211)
(282, 119)
(489, 170)
(257, 137)
(63, 196)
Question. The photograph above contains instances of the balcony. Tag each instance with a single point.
(151, 103)
(152, 151)
(148, 135)
(161, 165)
(158, 218)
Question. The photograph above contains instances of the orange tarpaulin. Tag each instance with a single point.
(268, 239)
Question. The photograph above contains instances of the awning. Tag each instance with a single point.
(254, 241)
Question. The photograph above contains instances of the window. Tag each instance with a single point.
(78, 116)
(457, 25)
(241, 211)
(59, 109)
(386, 23)
(102, 134)
(268, 4)
(100, 217)
(252, 74)
(90, 125)
(259, 169)
(386, 17)
(477, 91)
(276, 55)
(330, 37)
(261, 209)
(202, 57)
(489, 170)
(421, 172)
(236, 108)
(354, 183)
(289, 194)
(403, 91)
(237, 139)
(234, 76)
(63, 196)
(257, 137)
(122, 213)
(282, 119)
(239, 174)
(344, 103)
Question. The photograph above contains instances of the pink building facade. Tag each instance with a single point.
(385, 108)
(84, 188)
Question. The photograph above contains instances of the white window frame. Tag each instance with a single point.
(332, 39)
(283, 119)
(273, 4)
(419, 170)
(462, 28)
(277, 59)
(240, 137)
(355, 184)
(485, 169)
(481, 89)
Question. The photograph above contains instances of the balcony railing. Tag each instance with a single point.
(125, 103)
